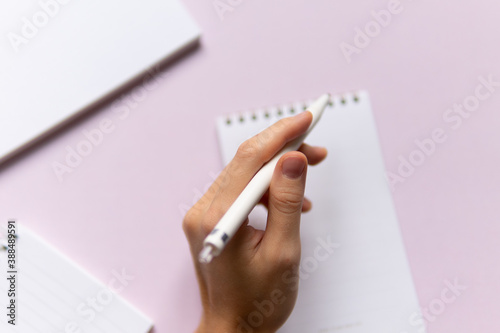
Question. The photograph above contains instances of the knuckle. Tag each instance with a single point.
(288, 202)
(287, 257)
(249, 149)
(236, 169)
(191, 221)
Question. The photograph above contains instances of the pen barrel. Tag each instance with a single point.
(232, 220)
(253, 192)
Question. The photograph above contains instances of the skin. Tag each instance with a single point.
(257, 268)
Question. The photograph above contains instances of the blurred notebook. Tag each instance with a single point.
(355, 276)
(52, 294)
(59, 57)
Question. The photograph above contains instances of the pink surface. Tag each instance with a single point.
(121, 208)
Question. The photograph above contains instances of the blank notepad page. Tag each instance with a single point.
(354, 275)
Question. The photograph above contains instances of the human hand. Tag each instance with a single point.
(251, 287)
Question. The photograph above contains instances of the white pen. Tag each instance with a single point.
(232, 220)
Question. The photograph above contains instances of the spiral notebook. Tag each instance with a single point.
(361, 282)
(52, 294)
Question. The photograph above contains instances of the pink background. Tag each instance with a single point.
(121, 207)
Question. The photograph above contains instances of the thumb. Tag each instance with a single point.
(286, 194)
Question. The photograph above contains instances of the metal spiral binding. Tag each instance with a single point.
(289, 109)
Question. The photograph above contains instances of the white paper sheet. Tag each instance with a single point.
(53, 294)
(59, 57)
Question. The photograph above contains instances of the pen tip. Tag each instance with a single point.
(206, 255)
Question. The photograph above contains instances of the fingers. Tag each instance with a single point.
(250, 157)
(315, 155)
(306, 205)
(286, 195)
